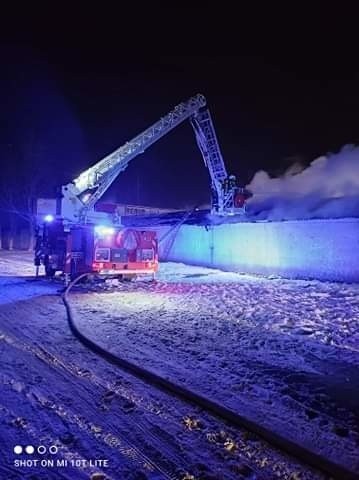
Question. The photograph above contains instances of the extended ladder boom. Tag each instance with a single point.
(222, 198)
(80, 196)
(102, 174)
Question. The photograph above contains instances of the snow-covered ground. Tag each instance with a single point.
(282, 352)
(285, 353)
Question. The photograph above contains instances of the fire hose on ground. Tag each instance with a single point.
(295, 450)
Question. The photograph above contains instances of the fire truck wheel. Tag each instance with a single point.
(50, 272)
(129, 277)
(73, 270)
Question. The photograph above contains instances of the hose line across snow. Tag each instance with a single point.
(295, 450)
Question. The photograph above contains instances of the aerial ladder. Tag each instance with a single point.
(80, 196)
(77, 242)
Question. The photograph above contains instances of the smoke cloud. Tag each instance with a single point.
(327, 188)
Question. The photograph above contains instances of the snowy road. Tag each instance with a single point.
(266, 347)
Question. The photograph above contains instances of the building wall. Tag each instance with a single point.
(321, 249)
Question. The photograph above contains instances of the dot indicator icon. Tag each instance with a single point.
(41, 449)
(29, 449)
(53, 449)
(18, 449)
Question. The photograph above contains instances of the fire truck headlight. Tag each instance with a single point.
(102, 230)
(49, 218)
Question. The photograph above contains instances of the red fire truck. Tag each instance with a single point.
(79, 238)
(104, 250)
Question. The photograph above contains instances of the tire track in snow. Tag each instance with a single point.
(251, 458)
(110, 390)
(41, 439)
(124, 447)
(118, 442)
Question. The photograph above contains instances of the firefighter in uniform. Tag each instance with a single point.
(232, 182)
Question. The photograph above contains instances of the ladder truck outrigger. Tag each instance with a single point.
(80, 239)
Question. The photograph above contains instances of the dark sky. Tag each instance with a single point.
(68, 103)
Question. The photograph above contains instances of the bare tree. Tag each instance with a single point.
(17, 202)
(19, 189)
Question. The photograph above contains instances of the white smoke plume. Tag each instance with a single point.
(327, 188)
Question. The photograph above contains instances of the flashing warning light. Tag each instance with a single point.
(49, 218)
(102, 230)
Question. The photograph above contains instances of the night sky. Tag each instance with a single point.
(66, 104)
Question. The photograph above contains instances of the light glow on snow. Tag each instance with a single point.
(137, 301)
(49, 218)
